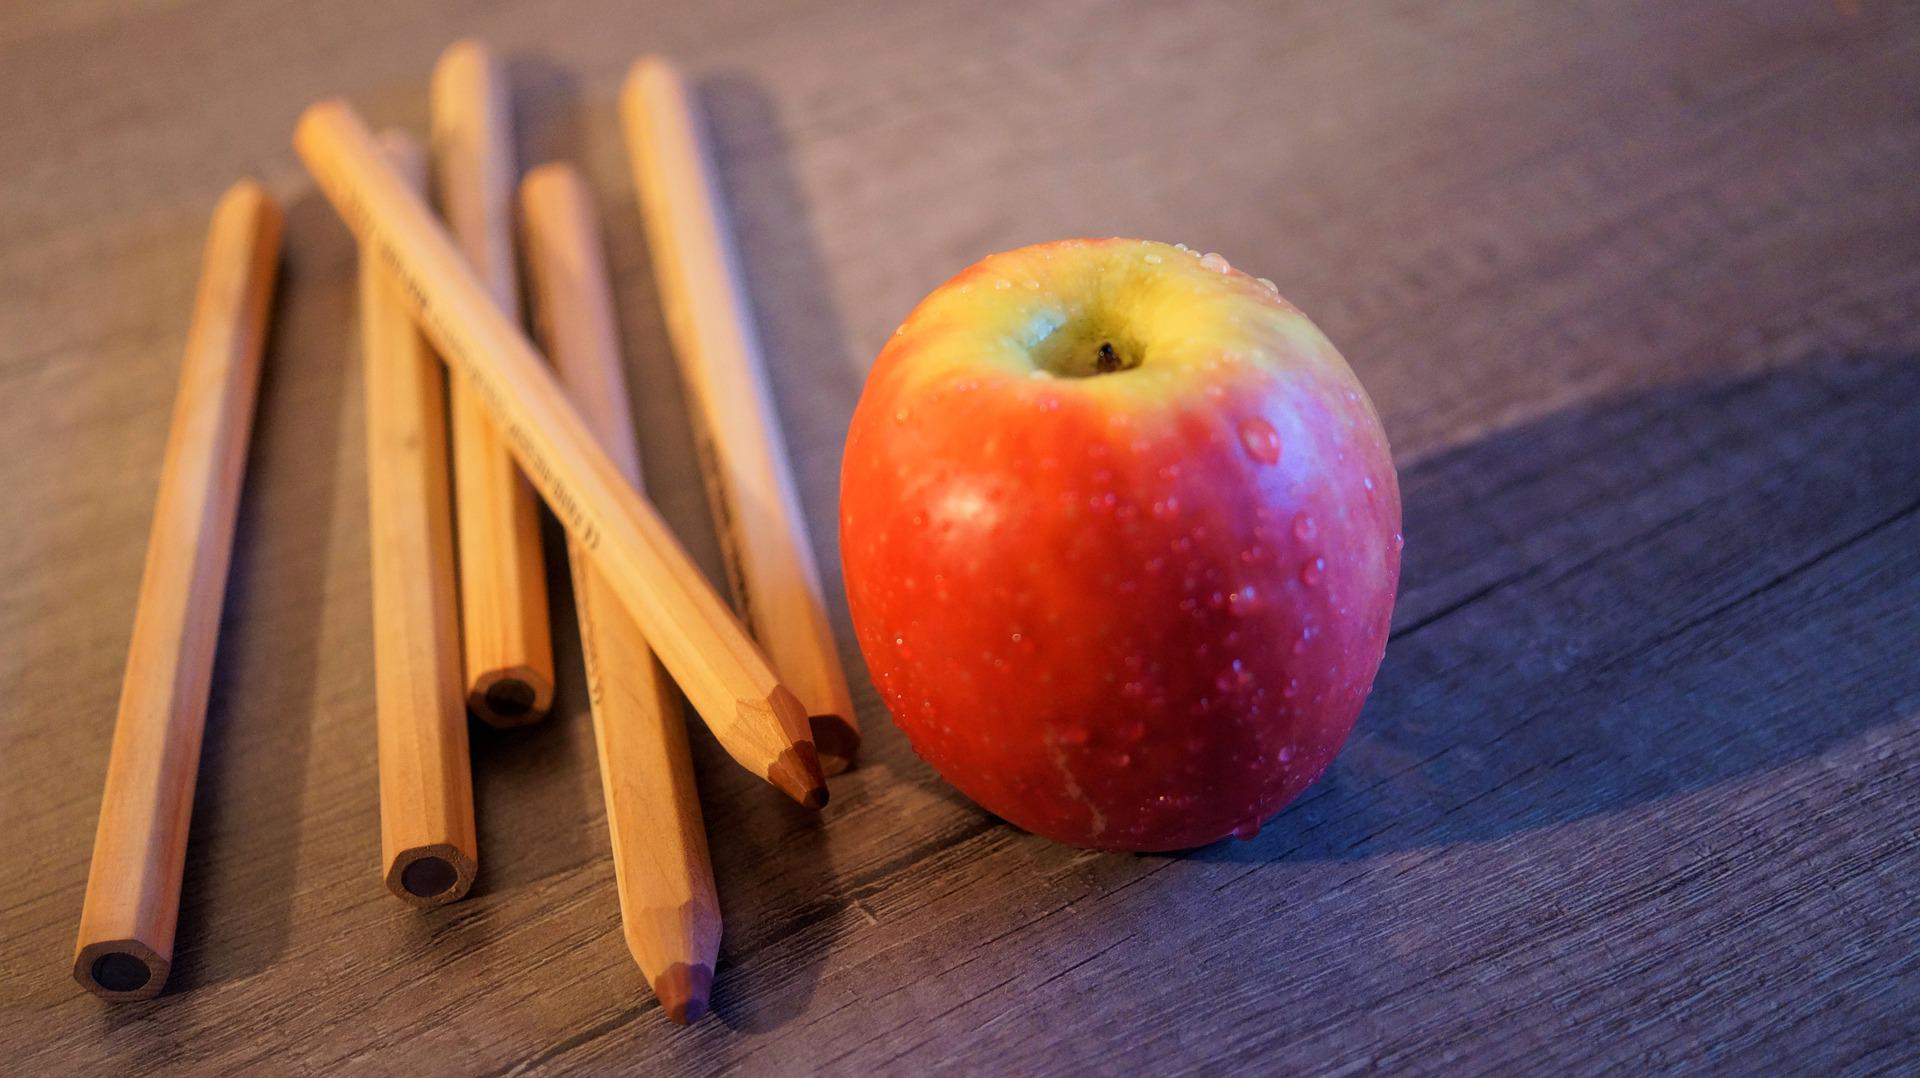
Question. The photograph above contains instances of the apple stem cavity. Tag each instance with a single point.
(1083, 350)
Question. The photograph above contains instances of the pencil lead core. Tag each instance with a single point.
(510, 698)
(836, 741)
(429, 877)
(683, 991)
(118, 971)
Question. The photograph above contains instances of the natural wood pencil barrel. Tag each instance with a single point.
(125, 948)
(743, 456)
(503, 585)
(429, 854)
(708, 652)
(668, 907)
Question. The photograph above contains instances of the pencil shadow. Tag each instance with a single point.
(816, 377)
(235, 919)
(1584, 624)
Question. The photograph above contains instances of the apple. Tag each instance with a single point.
(1120, 533)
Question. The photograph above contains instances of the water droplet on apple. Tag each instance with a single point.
(1399, 541)
(900, 646)
(1123, 760)
(1214, 262)
(1312, 571)
(1002, 284)
(900, 415)
(1233, 678)
(1268, 285)
(1286, 754)
(1153, 259)
(1304, 529)
(1248, 831)
(1049, 403)
(1261, 441)
(1292, 689)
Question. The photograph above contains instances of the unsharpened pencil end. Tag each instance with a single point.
(797, 771)
(517, 696)
(683, 991)
(431, 875)
(650, 72)
(122, 970)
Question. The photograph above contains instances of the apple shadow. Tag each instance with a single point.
(1629, 601)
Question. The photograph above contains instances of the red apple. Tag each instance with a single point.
(1121, 535)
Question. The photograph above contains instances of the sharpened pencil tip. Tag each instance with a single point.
(683, 991)
(836, 740)
(797, 772)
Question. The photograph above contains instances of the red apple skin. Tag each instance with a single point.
(1121, 611)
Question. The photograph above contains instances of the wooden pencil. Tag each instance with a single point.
(668, 908)
(503, 586)
(429, 854)
(709, 653)
(125, 946)
(769, 557)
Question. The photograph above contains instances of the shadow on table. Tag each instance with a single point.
(814, 389)
(1625, 602)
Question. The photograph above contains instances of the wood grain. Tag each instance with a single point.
(743, 454)
(503, 585)
(429, 853)
(1631, 283)
(668, 908)
(127, 923)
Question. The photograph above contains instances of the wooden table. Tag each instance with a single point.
(1635, 285)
